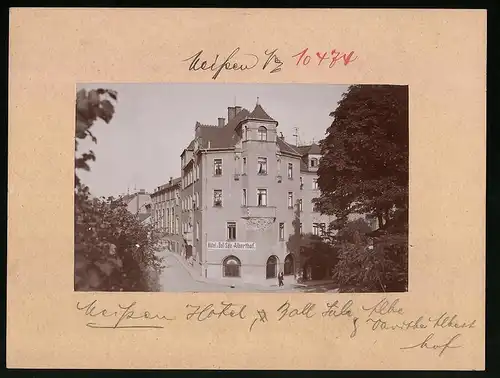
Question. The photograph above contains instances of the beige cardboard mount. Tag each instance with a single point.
(439, 54)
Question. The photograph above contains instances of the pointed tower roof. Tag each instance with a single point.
(260, 113)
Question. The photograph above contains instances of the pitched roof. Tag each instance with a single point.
(143, 216)
(285, 147)
(220, 137)
(309, 149)
(127, 198)
(167, 185)
(225, 137)
(260, 113)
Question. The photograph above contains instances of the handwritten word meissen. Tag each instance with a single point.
(235, 61)
(126, 316)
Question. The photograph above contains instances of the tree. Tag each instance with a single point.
(91, 106)
(364, 168)
(114, 251)
(309, 248)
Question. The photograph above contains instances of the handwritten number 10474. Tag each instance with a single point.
(303, 58)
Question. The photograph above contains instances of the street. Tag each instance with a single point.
(176, 278)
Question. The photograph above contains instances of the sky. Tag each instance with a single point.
(140, 148)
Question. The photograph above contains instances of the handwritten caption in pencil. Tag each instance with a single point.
(271, 61)
(437, 333)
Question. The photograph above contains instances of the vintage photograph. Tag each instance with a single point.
(241, 188)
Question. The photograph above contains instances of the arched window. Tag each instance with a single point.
(272, 267)
(262, 133)
(288, 269)
(231, 267)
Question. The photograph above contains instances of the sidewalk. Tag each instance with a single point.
(251, 286)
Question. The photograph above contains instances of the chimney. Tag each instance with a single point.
(221, 122)
(237, 109)
(231, 112)
(282, 137)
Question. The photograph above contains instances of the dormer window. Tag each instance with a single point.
(262, 133)
(314, 162)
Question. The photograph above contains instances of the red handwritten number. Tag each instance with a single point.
(303, 57)
(335, 56)
(321, 57)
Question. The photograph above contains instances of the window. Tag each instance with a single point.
(288, 268)
(218, 197)
(262, 166)
(290, 170)
(261, 197)
(218, 167)
(315, 183)
(244, 197)
(197, 230)
(322, 227)
(316, 228)
(282, 231)
(262, 133)
(231, 230)
(290, 200)
(300, 228)
(244, 165)
(246, 133)
(314, 162)
(300, 204)
(231, 267)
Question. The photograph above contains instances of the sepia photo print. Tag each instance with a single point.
(241, 188)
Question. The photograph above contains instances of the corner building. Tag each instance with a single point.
(240, 186)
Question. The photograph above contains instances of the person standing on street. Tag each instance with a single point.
(280, 279)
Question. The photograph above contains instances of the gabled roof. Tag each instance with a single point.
(260, 113)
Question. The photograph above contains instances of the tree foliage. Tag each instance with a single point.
(114, 251)
(380, 266)
(364, 170)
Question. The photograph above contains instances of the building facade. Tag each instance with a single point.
(138, 203)
(242, 185)
(166, 214)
